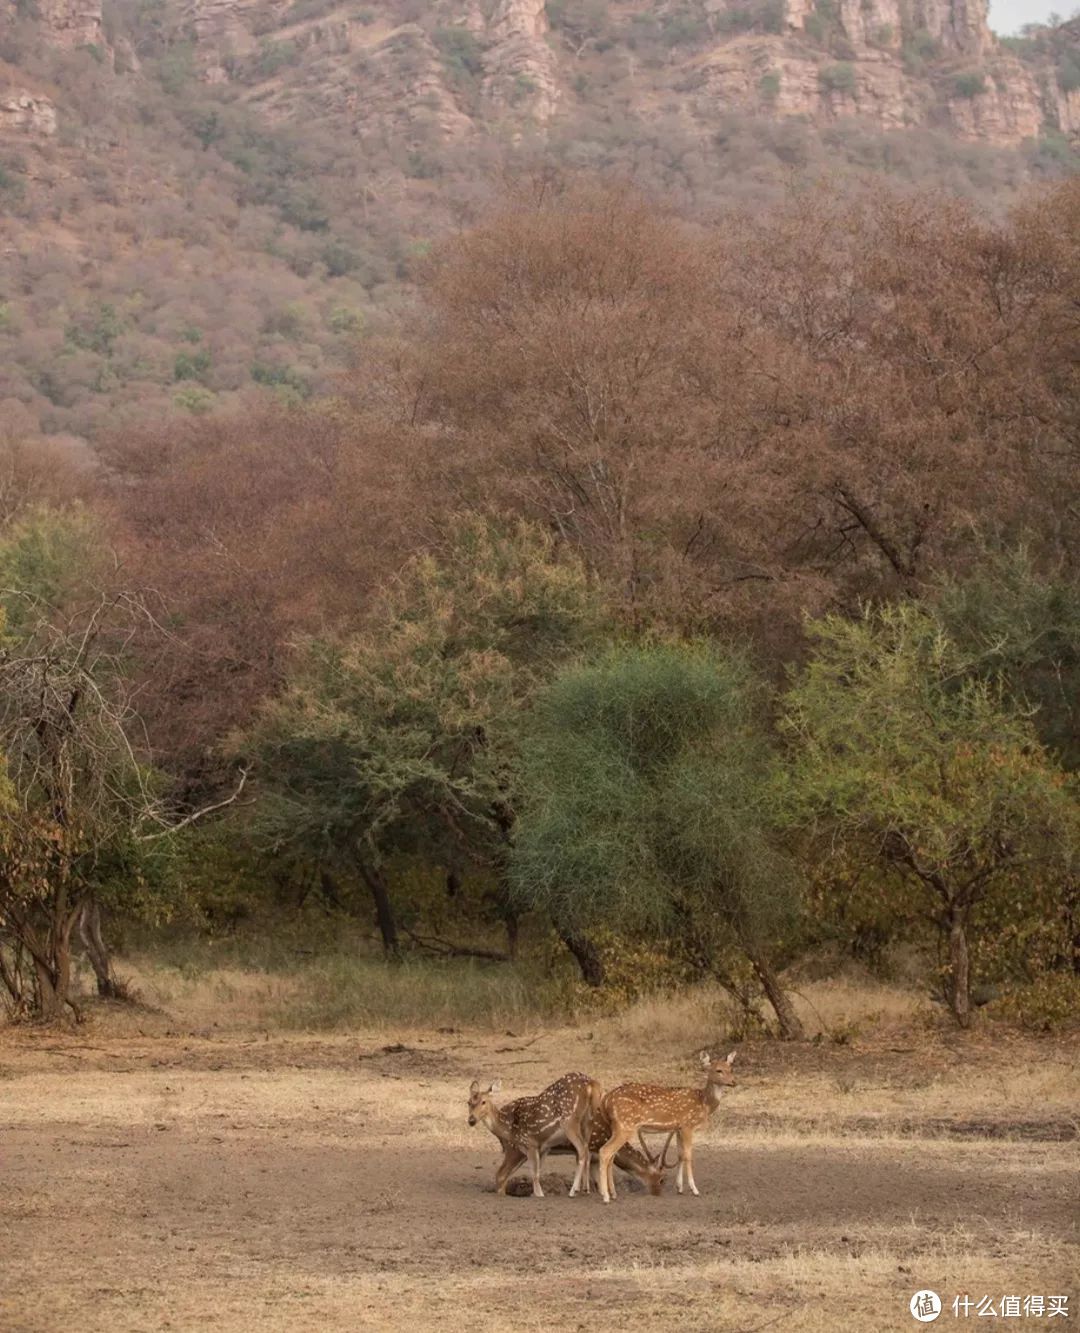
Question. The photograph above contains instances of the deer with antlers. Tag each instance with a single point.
(644, 1165)
(531, 1126)
(640, 1107)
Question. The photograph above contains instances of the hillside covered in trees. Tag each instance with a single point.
(689, 597)
(211, 201)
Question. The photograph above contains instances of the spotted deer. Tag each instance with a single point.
(531, 1126)
(634, 1108)
(640, 1164)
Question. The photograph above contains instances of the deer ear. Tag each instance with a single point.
(495, 1086)
(731, 1057)
(706, 1058)
(474, 1088)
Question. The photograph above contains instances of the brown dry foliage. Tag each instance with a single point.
(250, 529)
(734, 423)
(742, 421)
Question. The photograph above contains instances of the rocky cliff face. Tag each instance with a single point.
(900, 67)
(416, 72)
(25, 112)
(521, 70)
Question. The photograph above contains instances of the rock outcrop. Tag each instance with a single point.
(401, 89)
(69, 23)
(959, 25)
(24, 112)
(963, 77)
(521, 70)
(409, 72)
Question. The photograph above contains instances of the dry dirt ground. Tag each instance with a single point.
(239, 1182)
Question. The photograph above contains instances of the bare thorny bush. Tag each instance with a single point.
(78, 803)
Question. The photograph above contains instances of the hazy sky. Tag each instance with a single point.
(1006, 16)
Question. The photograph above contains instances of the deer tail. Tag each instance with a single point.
(596, 1096)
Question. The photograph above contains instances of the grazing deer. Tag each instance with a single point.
(628, 1159)
(532, 1125)
(635, 1107)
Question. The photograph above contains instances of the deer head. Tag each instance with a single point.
(718, 1074)
(481, 1106)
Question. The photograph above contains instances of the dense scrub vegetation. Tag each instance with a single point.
(182, 243)
(703, 595)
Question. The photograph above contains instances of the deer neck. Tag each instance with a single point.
(710, 1096)
(499, 1125)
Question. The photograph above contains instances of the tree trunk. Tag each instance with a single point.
(52, 962)
(94, 944)
(959, 979)
(791, 1028)
(504, 906)
(329, 888)
(587, 955)
(384, 911)
(50, 1004)
(1072, 926)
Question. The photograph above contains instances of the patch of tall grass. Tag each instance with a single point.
(339, 992)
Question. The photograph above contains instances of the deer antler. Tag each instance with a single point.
(660, 1157)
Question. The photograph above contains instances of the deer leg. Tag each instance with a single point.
(534, 1164)
(686, 1152)
(512, 1159)
(679, 1176)
(581, 1147)
(607, 1157)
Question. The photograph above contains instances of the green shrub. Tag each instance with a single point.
(339, 258)
(207, 127)
(281, 377)
(302, 10)
(771, 16)
(756, 15)
(769, 85)
(96, 330)
(276, 55)
(1051, 1001)
(288, 322)
(1055, 152)
(423, 167)
(1024, 48)
(919, 49)
(683, 28)
(191, 365)
(342, 319)
(814, 27)
(11, 187)
(969, 85)
(925, 44)
(839, 78)
(1068, 73)
(177, 67)
(195, 399)
(303, 209)
(461, 54)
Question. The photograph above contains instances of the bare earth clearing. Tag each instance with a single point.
(239, 1182)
